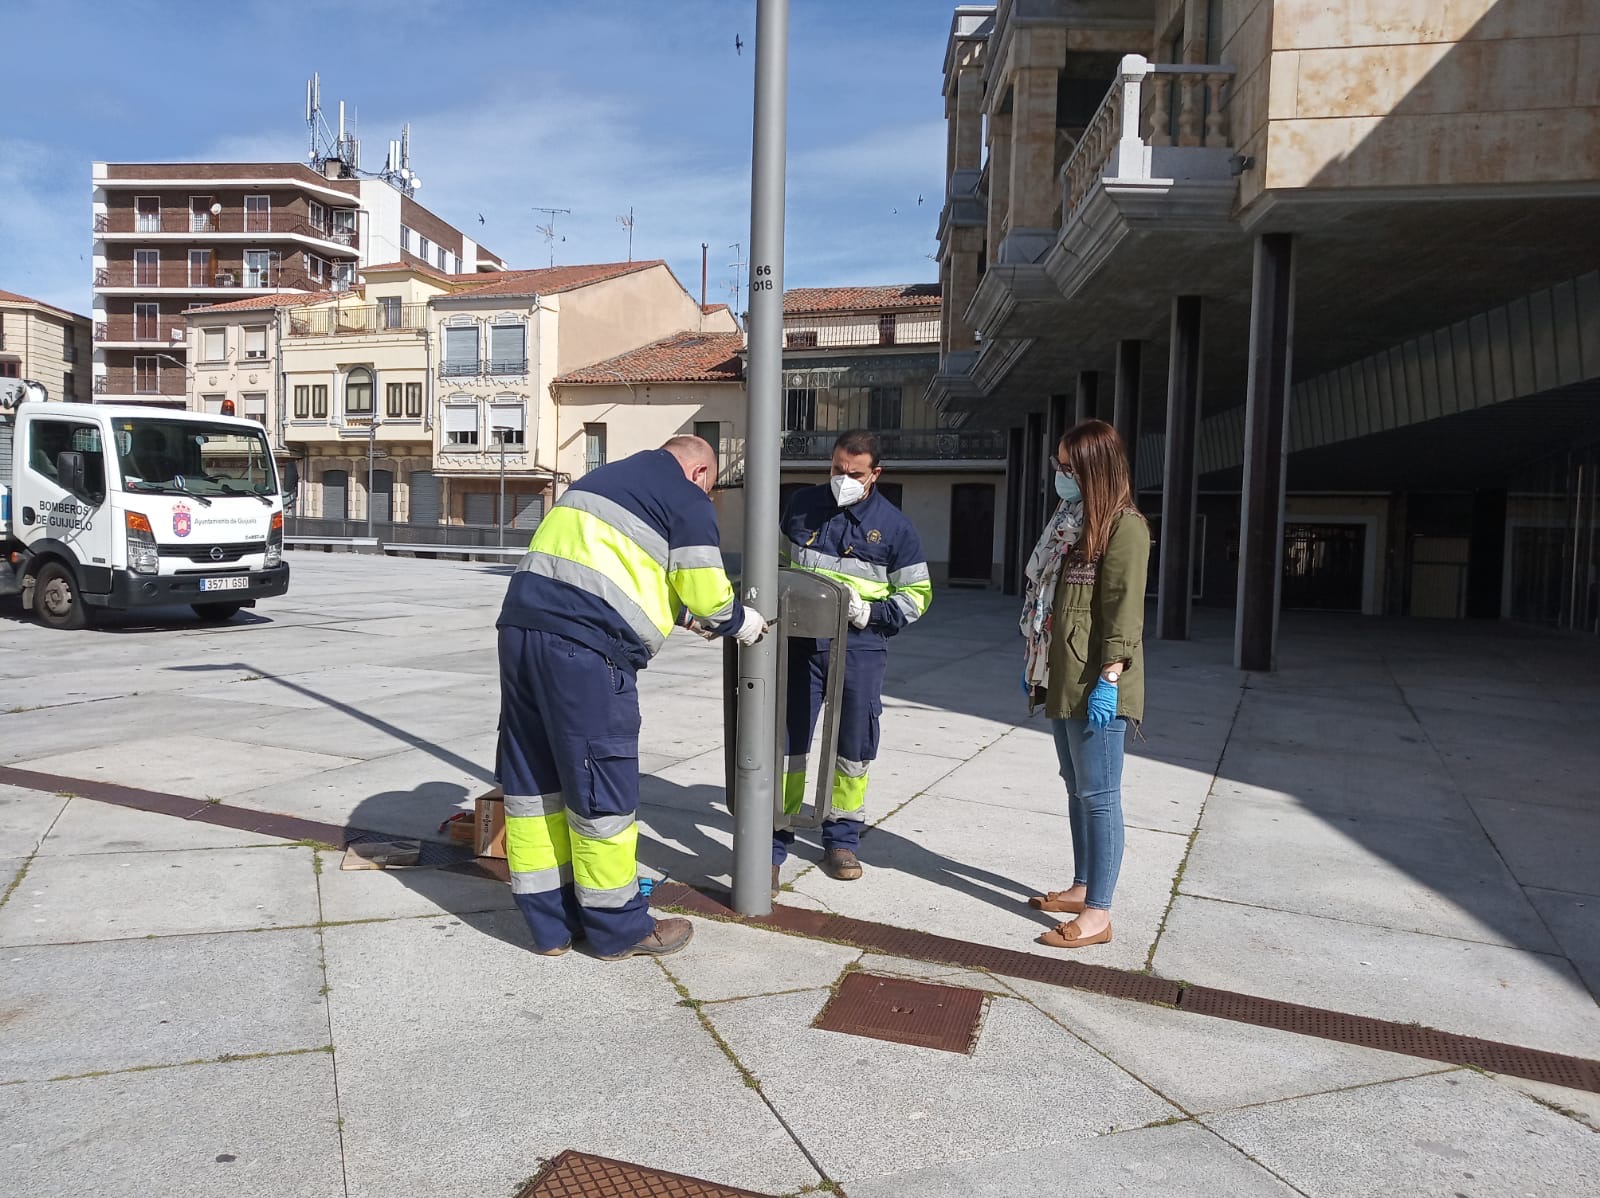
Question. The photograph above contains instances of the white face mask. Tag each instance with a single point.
(846, 490)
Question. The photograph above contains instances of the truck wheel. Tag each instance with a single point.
(56, 600)
(217, 612)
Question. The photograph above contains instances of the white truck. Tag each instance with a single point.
(115, 508)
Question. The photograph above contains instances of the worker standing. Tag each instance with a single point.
(630, 550)
(847, 531)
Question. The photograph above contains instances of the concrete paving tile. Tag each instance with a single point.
(10, 867)
(71, 1009)
(25, 817)
(53, 731)
(88, 826)
(1574, 920)
(1582, 1105)
(407, 793)
(379, 729)
(929, 971)
(1331, 779)
(117, 895)
(924, 729)
(912, 1108)
(965, 870)
(1407, 977)
(245, 1129)
(396, 893)
(1416, 874)
(1184, 1160)
(505, 1046)
(1205, 1064)
(1553, 848)
(343, 685)
(187, 764)
(1443, 1135)
(730, 961)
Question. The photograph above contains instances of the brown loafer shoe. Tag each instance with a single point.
(775, 881)
(1056, 900)
(842, 864)
(1065, 935)
(668, 937)
(560, 950)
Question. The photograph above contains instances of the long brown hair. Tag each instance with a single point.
(1098, 460)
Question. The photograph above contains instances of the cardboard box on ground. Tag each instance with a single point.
(489, 824)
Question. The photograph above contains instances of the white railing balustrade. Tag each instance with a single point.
(1135, 118)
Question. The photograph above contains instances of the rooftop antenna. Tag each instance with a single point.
(738, 273)
(327, 145)
(627, 223)
(548, 230)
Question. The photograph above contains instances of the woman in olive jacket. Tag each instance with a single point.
(1084, 623)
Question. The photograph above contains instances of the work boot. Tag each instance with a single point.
(668, 937)
(775, 881)
(842, 864)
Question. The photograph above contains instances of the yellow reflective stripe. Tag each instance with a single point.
(914, 599)
(704, 590)
(608, 864)
(794, 792)
(586, 539)
(535, 842)
(849, 793)
(867, 588)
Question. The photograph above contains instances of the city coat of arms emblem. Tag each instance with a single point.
(182, 520)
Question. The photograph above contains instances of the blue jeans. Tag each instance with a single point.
(1091, 766)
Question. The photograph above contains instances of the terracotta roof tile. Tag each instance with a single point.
(807, 300)
(680, 358)
(11, 297)
(708, 309)
(280, 300)
(416, 264)
(547, 281)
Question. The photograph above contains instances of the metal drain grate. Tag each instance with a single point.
(1429, 1043)
(904, 1011)
(579, 1175)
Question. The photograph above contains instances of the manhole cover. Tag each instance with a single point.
(579, 1175)
(904, 1011)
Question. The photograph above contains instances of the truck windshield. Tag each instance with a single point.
(186, 455)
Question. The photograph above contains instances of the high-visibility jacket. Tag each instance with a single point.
(617, 560)
(870, 547)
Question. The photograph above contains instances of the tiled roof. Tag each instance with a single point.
(807, 300)
(708, 309)
(680, 358)
(422, 268)
(280, 300)
(548, 281)
(11, 297)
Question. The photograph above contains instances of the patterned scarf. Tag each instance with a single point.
(1043, 572)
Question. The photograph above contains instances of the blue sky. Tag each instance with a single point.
(592, 106)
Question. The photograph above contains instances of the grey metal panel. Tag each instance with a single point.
(1497, 339)
(6, 434)
(1472, 396)
(382, 496)
(1564, 330)
(424, 497)
(1340, 422)
(1542, 331)
(1444, 372)
(1405, 399)
(479, 508)
(1519, 340)
(1353, 386)
(335, 495)
(529, 509)
(1482, 347)
(1417, 395)
(1387, 401)
(1588, 290)
(1298, 417)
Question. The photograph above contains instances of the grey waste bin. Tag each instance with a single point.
(816, 608)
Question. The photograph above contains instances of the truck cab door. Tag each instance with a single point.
(44, 507)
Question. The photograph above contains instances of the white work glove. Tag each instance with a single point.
(752, 627)
(860, 610)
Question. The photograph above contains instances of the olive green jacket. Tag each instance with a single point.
(1098, 617)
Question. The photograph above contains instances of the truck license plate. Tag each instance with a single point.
(237, 583)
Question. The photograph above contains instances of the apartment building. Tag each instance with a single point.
(863, 357)
(170, 236)
(419, 397)
(44, 343)
(1328, 267)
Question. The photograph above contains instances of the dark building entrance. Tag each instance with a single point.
(972, 532)
(1323, 566)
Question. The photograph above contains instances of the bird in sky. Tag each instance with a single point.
(919, 204)
(480, 215)
(738, 44)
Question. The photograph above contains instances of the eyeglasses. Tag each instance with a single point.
(1055, 464)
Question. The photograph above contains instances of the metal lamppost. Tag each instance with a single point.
(756, 750)
(502, 508)
(372, 453)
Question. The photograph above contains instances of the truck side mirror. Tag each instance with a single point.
(70, 472)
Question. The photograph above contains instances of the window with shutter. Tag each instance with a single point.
(461, 425)
(508, 349)
(414, 399)
(302, 402)
(319, 401)
(506, 421)
(461, 350)
(214, 345)
(255, 343)
(394, 402)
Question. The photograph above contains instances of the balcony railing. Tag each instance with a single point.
(934, 444)
(460, 368)
(904, 331)
(177, 273)
(358, 320)
(1132, 124)
(262, 224)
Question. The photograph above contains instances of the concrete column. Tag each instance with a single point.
(1033, 451)
(1030, 229)
(966, 143)
(966, 244)
(1486, 555)
(999, 181)
(1125, 403)
(1086, 403)
(1266, 451)
(1179, 477)
(1011, 576)
(1059, 422)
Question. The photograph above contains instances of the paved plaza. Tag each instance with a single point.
(1403, 822)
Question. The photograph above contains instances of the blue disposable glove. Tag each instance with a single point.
(1102, 704)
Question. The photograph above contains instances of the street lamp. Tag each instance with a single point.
(372, 446)
(499, 426)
